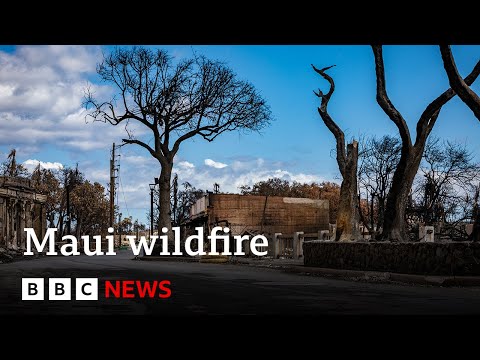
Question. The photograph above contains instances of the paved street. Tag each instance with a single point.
(199, 288)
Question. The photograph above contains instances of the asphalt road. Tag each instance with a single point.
(199, 289)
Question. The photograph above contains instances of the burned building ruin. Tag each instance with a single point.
(259, 214)
(20, 207)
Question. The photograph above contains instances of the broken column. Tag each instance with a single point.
(246, 247)
(426, 233)
(333, 231)
(298, 244)
(323, 235)
(469, 229)
(276, 245)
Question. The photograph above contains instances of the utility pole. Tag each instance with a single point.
(69, 186)
(68, 182)
(152, 189)
(119, 230)
(151, 209)
(112, 187)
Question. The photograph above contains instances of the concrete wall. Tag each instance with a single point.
(454, 258)
(282, 214)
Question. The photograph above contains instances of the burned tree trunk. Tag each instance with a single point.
(347, 216)
(394, 225)
(347, 159)
(472, 100)
(175, 200)
(475, 235)
(165, 215)
(476, 229)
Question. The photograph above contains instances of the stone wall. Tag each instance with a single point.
(454, 258)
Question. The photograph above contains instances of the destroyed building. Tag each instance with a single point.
(258, 214)
(20, 207)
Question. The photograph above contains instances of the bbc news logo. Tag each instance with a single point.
(88, 289)
(59, 289)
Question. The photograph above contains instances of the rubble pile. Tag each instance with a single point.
(10, 254)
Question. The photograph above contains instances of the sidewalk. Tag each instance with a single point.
(297, 267)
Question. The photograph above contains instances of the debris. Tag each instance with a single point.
(5, 256)
(214, 259)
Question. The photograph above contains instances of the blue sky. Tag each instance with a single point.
(41, 114)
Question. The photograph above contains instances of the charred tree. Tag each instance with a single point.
(475, 235)
(175, 199)
(347, 160)
(472, 100)
(394, 226)
(378, 160)
(174, 102)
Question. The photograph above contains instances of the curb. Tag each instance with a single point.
(167, 258)
(397, 277)
(432, 280)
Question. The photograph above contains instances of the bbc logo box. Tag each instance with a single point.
(60, 289)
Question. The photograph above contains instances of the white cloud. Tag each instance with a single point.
(215, 164)
(98, 175)
(72, 59)
(41, 95)
(38, 80)
(138, 160)
(242, 172)
(31, 164)
(186, 164)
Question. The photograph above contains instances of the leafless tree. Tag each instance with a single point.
(174, 101)
(378, 160)
(448, 172)
(469, 97)
(475, 236)
(347, 160)
(10, 167)
(186, 197)
(394, 226)
(443, 189)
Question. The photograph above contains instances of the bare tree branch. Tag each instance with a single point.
(430, 114)
(142, 144)
(460, 86)
(327, 119)
(384, 101)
